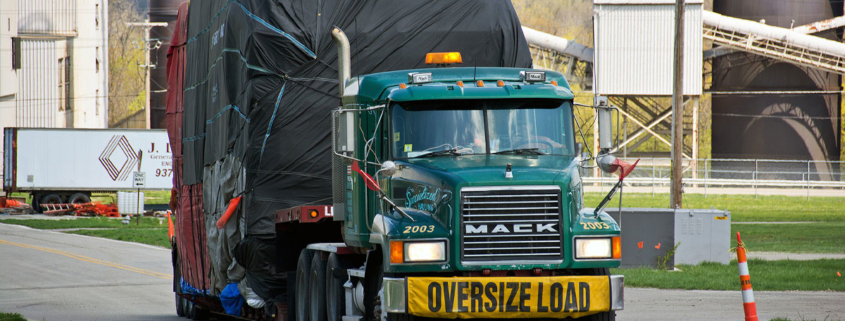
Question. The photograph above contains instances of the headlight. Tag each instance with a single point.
(425, 251)
(593, 248)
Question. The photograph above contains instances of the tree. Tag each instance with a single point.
(127, 82)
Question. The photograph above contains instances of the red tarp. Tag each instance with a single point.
(190, 221)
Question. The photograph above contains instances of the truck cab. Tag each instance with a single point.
(462, 187)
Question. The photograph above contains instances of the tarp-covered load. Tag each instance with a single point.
(260, 79)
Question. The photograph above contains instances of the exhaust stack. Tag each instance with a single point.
(344, 62)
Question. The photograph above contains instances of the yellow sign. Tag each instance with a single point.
(409, 148)
(508, 297)
(721, 218)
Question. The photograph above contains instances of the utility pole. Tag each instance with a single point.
(676, 198)
(147, 25)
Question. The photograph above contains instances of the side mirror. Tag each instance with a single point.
(389, 168)
(343, 125)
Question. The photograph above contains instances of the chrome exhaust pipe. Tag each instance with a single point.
(344, 62)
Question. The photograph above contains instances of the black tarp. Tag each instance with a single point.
(261, 79)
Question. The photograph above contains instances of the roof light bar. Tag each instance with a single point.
(442, 58)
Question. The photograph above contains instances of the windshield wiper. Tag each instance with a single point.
(440, 153)
(519, 151)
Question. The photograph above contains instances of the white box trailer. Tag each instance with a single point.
(59, 165)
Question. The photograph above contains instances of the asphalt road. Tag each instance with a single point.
(50, 276)
(53, 276)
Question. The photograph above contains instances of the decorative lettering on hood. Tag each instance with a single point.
(426, 198)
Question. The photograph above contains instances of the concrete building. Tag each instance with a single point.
(54, 63)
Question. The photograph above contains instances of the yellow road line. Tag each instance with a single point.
(92, 260)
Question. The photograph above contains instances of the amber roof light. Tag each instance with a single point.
(442, 58)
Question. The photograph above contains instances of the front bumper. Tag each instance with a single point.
(395, 291)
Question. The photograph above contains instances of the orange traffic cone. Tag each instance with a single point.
(169, 227)
(745, 282)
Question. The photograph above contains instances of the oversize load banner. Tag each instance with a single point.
(508, 297)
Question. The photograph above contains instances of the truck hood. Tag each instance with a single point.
(431, 186)
(490, 169)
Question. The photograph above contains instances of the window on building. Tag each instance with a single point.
(64, 84)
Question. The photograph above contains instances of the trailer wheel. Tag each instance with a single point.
(303, 284)
(177, 277)
(317, 292)
(189, 306)
(197, 313)
(79, 198)
(51, 199)
(335, 294)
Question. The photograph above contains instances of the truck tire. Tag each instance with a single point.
(372, 301)
(180, 302)
(197, 313)
(51, 199)
(303, 284)
(604, 316)
(79, 198)
(335, 293)
(177, 285)
(317, 292)
(374, 273)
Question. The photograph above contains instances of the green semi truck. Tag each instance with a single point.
(458, 194)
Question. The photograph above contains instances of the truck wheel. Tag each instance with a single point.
(604, 316)
(303, 284)
(79, 198)
(335, 294)
(318, 289)
(374, 274)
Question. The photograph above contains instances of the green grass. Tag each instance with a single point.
(743, 208)
(157, 197)
(156, 236)
(87, 222)
(795, 238)
(818, 275)
(150, 197)
(11, 317)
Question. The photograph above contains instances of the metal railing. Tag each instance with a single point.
(734, 173)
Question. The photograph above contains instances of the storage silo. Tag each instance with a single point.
(769, 109)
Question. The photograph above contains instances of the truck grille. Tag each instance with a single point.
(513, 223)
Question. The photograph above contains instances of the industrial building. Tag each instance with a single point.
(54, 63)
(761, 81)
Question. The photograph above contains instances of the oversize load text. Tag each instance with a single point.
(500, 297)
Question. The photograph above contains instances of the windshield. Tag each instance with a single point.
(436, 128)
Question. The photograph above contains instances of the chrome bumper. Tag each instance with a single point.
(394, 294)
